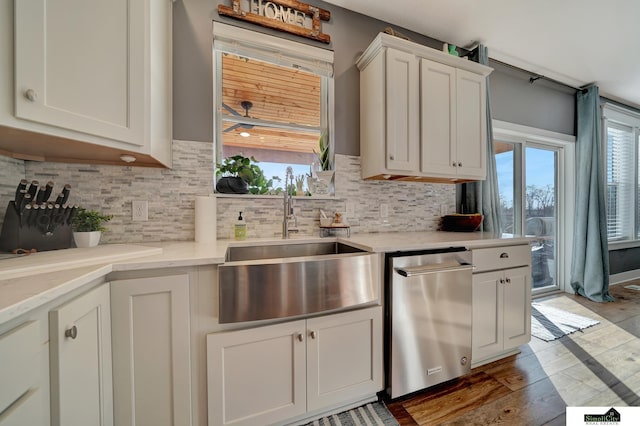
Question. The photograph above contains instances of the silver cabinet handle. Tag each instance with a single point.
(312, 334)
(300, 337)
(504, 255)
(31, 94)
(71, 332)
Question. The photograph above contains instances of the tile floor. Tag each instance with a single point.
(598, 366)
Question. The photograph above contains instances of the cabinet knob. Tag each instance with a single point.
(71, 332)
(508, 280)
(300, 337)
(391, 157)
(454, 164)
(501, 280)
(504, 255)
(31, 94)
(312, 334)
(459, 164)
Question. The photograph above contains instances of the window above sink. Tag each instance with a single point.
(273, 101)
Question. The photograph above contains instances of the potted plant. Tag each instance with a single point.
(324, 160)
(87, 227)
(241, 175)
(234, 173)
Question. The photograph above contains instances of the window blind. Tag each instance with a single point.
(621, 182)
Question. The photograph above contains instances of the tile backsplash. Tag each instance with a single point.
(171, 194)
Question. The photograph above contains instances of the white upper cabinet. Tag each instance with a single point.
(422, 113)
(93, 72)
(402, 132)
(452, 122)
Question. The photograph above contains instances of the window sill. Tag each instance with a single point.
(278, 197)
(621, 245)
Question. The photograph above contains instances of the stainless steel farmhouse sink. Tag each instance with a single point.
(292, 279)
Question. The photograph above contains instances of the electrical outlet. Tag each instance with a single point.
(140, 210)
(350, 209)
(384, 210)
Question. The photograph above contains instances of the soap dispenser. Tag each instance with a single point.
(240, 228)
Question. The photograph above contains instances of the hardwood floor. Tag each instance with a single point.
(598, 366)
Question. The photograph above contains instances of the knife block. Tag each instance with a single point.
(21, 231)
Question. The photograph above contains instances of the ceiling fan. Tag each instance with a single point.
(247, 105)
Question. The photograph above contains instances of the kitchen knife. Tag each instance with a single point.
(71, 213)
(59, 199)
(35, 211)
(19, 199)
(26, 215)
(45, 193)
(33, 189)
(26, 199)
(65, 195)
(22, 186)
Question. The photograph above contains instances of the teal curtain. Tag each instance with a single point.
(483, 196)
(590, 262)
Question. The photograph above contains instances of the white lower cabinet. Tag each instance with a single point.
(80, 352)
(21, 400)
(501, 312)
(270, 374)
(151, 352)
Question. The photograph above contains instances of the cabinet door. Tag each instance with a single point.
(27, 410)
(344, 357)
(471, 133)
(487, 327)
(517, 307)
(256, 376)
(151, 357)
(437, 118)
(402, 108)
(80, 339)
(80, 66)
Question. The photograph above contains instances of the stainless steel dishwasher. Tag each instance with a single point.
(428, 318)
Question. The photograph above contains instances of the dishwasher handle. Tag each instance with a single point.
(431, 269)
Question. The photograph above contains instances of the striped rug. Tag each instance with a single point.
(548, 323)
(374, 414)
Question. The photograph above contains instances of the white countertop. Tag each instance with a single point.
(406, 241)
(29, 282)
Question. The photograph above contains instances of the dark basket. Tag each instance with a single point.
(461, 222)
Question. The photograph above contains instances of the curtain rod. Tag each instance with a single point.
(533, 77)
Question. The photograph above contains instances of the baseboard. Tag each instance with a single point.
(496, 357)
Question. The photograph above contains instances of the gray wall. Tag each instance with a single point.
(541, 104)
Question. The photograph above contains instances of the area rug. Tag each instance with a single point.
(548, 323)
(374, 414)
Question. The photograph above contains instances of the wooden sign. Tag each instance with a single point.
(291, 16)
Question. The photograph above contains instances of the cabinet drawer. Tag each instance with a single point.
(491, 259)
(19, 362)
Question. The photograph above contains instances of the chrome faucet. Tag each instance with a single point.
(288, 207)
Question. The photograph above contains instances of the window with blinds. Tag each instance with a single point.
(622, 180)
